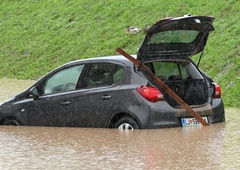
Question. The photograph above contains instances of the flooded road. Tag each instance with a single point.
(213, 147)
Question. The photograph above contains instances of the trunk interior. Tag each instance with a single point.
(192, 92)
(183, 78)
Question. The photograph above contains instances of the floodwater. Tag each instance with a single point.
(213, 147)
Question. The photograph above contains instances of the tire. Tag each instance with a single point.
(126, 123)
(10, 121)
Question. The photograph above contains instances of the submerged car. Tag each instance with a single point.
(111, 92)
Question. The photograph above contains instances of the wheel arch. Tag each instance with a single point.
(9, 117)
(118, 116)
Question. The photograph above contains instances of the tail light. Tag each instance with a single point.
(150, 93)
(217, 91)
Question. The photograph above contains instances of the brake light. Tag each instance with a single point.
(217, 91)
(150, 93)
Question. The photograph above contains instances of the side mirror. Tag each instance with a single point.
(34, 92)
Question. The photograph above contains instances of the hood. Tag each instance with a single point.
(176, 37)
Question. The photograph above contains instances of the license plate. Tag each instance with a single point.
(192, 121)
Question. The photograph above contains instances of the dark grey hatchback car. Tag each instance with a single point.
(110, 92)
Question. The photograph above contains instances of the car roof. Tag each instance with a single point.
(118, 58)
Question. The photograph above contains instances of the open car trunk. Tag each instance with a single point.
(182, 77)
(176, 37)
(167, 50)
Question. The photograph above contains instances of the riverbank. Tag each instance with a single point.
(37, 36)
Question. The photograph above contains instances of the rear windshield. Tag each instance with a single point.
(174, 36)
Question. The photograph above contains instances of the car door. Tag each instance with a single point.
(54, 107)
(94, 101)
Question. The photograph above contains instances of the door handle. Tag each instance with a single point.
(106, 97)
(65, 103)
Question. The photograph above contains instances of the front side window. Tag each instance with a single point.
(103, 74)
(62, 81)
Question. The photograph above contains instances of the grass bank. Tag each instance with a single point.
(37, 36)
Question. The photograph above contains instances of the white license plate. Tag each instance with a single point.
(191, 121)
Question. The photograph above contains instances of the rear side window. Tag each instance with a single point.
(103, 74)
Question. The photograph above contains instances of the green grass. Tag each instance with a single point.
(37, 36)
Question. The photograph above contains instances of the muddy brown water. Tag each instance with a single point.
(213, 147)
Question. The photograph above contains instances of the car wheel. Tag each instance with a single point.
(10, 121)
(126, 123)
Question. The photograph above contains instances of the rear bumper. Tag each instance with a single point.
(163, 115)
(218, 112)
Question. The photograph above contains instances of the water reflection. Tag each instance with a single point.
(213, 147)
